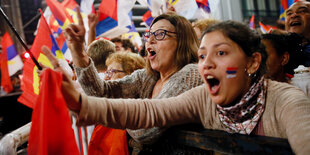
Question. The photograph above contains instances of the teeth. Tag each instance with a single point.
(210, 77)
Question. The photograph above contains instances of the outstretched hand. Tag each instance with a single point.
(75, 34)
(70, 94)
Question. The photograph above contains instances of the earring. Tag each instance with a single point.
(249, 75)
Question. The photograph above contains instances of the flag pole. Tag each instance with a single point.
(19, 38)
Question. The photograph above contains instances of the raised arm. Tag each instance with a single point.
(138, 113)
(75, 40)
(92, 23)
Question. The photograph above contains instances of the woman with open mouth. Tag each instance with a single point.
(235, 97)
(171, 44)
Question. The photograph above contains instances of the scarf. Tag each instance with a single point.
(244, 116)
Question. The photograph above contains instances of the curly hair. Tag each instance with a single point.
(129, 61)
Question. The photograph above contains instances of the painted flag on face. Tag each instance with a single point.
(285, 4)
(251, 24)
(231, 72)
(30, 80)
(263, 28)
(15, 63)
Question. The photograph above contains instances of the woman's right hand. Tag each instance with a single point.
(75, 34)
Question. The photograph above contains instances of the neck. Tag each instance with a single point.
(164, 76)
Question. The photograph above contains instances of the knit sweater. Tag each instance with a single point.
(286, 115)
(139, 85)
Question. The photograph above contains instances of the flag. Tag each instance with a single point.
(113, 17)
(87, 6)
(263, 28)
(147, 18)
(204, 4)
(15, 63)
(251, 24)
(30, 80)
(51, 131)
(157, 7)
(132, 34)
(108, 141)
(7, 53)
(285, 4)
(185, 8)
(59, 11)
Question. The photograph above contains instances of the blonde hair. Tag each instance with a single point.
(129, 61)
(99, 50)
(203, 24)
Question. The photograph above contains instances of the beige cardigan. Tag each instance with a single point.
(139, 85)
(287, 113)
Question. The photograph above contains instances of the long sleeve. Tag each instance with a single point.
(287, 115)
(183, 80)
(128, 87)
(142, 113)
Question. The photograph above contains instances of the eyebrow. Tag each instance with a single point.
(216, 45)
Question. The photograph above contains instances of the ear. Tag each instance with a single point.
(285, 58)
(254, 63)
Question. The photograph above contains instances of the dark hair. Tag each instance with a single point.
(117, 39)
(287, 43)
(247, 39)
(126, 43)
(187, 41)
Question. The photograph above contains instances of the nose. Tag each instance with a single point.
(208, 62)
(151, 39)
(294, 15)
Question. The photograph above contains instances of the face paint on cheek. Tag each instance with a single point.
(231, 72)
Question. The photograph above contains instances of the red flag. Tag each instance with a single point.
(30, 81)
(108, 141)
(5, 77)
(251, 24)
(51, 131)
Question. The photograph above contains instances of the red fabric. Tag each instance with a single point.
(59, 11)
(30, 77)
(51, 131)
(5, 77)
(108, 141)
(108, 8)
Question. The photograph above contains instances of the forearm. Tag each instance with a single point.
(91, 35)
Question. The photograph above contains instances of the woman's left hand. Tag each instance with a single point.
(70, 94)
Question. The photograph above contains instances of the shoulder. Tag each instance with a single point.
(283, 94)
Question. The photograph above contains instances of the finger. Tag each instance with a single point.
(47, 52)
(80, 19)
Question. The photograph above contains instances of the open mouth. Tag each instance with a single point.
(152, 53)
(213, 83)
(295, 23)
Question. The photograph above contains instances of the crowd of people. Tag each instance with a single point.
(221, 74)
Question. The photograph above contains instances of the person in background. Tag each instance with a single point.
(283, 55)
(123, 45)
(235, 97)
(202, 24)
(99, 50)
(298, 21)
(119, 65)
(171, 68)
(122, 64)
